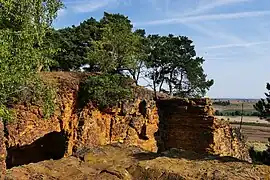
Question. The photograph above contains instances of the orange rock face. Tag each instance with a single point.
(132, 127)
(190, 125)
(134, 123)
(174, 123)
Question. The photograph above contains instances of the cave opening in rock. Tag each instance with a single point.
(143, 108)
(50, 146)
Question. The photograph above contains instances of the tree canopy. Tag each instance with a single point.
(172, 60)
(111, 45)
(118, 47)
(23, 25)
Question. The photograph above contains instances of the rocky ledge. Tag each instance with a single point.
(119, 162)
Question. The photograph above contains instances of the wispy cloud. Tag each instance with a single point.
(61, 12)
(198, 7)
(210, 17)
(84, 6)
(249, 48)
(204, 7)
(237, 45)
(90, 6)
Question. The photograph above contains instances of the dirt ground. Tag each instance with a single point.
(245, 119)
(250, 119)
(255, 133)
(258, 132)
(112, 163)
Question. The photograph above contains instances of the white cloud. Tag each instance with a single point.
(237, 45)
(90, 6)
(250, 50)
(84, 6)
(191, 19)
(61, 12)
(204, 7)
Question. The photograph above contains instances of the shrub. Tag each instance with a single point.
(35, 92)
(222, 103)
(217, 113)
(105, 90)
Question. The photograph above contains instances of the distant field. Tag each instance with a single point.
(256, 130)
(233, 108)
(255, 133)
(235, 105)
(251, 119)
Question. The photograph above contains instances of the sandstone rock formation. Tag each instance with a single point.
(186, 124)
(132, 123)
(189, 124)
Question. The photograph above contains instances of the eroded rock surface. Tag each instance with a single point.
(189, 124)
(133, 123)
(172, 123)
(120, 162)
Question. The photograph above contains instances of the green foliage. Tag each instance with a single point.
(23, 25)
(108, 45)
(235, 113)
(222, 103)
(5, 113)
(263, 108)
(74, 44)
(172, 60)
(260, 157)
(118, 47)
(37, 93)
(218, 113)
(111, 46)
(263, 105)
(105, 90)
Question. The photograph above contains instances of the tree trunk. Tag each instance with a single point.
(170, 83)
(181, 80)
(155, 90)
(161, 84)
(154, 84)
(39, 68)
(139, 72)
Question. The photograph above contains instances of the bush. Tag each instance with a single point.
(217, 113)
(222, 103)
(237, 113)
(105, 90)
(35, 92)
(260, 157)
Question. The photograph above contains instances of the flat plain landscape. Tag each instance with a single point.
(256, 130)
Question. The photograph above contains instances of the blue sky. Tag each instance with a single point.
(232, 35)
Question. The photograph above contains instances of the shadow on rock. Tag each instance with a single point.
(50, 146)
(188, 155)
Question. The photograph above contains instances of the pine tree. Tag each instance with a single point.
(263, 105)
